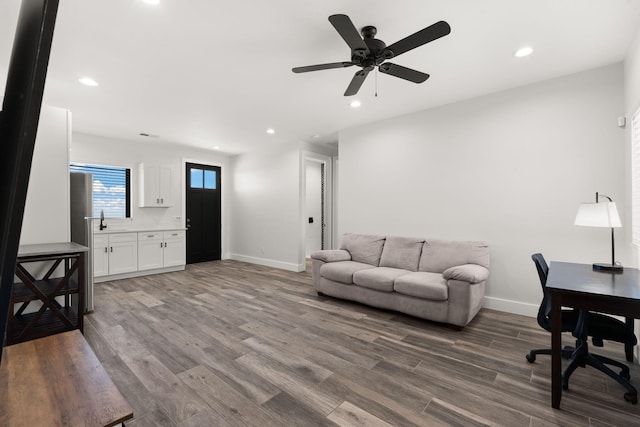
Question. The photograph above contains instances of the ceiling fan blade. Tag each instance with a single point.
(403, 72)
(348, 31)
(426, 35)
(321, 67)
(356, 82)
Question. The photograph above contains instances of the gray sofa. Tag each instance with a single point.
(432, 279)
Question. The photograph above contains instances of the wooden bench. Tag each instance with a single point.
(58, 381)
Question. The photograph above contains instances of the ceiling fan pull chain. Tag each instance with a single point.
(376, 82)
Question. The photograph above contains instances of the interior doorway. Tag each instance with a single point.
(203, 213)
(316, 204)
(315, 212)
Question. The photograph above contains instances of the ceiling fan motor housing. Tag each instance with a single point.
(377, 54)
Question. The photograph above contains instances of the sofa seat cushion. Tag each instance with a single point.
(379, 279)
(425, 285)
(342, 271)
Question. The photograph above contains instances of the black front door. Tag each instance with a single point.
(203, 213)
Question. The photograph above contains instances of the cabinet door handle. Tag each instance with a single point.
(160, 244)
(165, 244)
(106, 250)
(162, 201)
(111, 248)
(158, 201)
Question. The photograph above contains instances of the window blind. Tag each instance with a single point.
(111, 189)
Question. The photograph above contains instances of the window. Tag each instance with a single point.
(111, 189)
(203, 179)
(635, 177)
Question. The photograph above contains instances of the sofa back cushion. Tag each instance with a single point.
(402, 252)
(439, 255)
(363, 247)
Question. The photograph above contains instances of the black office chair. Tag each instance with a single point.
(584, 324)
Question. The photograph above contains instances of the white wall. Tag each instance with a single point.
(508, 168)
(98, 150)
(268, 209)
(46, 212)
(266, 212)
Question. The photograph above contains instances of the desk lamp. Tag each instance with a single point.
(603, 214)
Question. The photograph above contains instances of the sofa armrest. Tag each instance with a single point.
(331, 255)
(471, 273)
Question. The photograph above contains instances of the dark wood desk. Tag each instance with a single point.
(577, 285)
(56, 381)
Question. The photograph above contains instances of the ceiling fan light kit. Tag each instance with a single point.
(367, 52)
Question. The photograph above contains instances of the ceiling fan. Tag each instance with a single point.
(367, 52)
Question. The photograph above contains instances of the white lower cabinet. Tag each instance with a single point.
(115, 253)
(175, 248)
(131, 254)
(161, 249)
(100, 255)
(150, 249)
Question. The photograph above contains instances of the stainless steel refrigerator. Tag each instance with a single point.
(81, 199)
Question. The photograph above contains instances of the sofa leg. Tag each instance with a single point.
(320, 294)
(455, 327)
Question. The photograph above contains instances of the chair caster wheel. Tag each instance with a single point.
(631, 397)
(626, 375)
(531, 358)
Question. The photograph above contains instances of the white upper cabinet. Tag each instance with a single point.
(154, 186)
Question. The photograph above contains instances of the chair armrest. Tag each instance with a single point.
(471, 273)
(332, 255)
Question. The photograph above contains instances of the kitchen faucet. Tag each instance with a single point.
(102, 225)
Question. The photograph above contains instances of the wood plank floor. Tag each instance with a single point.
(233, 344)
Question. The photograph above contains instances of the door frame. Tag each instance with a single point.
(223, 198)
(327, 161)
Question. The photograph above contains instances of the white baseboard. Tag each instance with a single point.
(515, 307)
(269, 262)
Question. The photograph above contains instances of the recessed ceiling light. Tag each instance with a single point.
(523, 51)
(88, 81)
(216, 148)
(154, 2)
(271, 131)
(355, 104)
(316, 136)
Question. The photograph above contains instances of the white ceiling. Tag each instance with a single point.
(208, 73)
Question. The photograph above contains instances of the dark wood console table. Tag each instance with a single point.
(55, 315)
(58, 381)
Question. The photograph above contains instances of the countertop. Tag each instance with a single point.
(141, 229)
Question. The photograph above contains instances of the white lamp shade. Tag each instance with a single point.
(598, 215)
